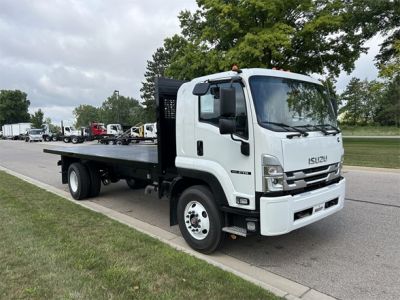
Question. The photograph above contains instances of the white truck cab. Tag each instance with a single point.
(35, 135)
(114, 129)
(150, 130)
(270, 138)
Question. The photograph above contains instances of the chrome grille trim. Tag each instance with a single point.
(304, 178)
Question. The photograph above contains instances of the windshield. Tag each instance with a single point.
(291, 102)
(35, 131)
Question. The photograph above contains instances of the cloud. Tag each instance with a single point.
(364, 66)
(64, 53)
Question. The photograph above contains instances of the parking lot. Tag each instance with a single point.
(353, 254)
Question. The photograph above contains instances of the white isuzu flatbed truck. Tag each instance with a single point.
(252, 151)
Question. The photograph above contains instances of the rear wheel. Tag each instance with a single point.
(54, 139)
(75, 140)
(47, 138)
(78, 181)
(200, 221)
(66, 140)
(136, 184)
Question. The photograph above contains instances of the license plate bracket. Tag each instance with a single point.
(318, 208)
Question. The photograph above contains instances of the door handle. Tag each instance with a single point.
(200, 148)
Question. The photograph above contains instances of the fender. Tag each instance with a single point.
(189, 178)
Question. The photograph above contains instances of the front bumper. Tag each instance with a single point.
(280, 215)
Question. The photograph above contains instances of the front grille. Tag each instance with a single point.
(308, 177)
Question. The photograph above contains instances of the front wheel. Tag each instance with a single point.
(66, 140)
(200, 221)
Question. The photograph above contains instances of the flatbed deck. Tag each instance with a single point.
(133, 154)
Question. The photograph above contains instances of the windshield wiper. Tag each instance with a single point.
(322, 129)
(285, 126)
(331, 126)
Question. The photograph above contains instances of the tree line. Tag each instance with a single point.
(116, 109)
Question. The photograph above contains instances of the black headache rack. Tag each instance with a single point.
(166, 91)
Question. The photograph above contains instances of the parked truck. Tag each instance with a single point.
(253, 151)
(16, 131)
(114, 129)
(70, 134)
(34, 135)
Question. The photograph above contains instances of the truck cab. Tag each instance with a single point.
(150, 130)
(35, 135)
(114, 129)
(269, 141)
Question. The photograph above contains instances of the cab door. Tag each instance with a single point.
(220, 153)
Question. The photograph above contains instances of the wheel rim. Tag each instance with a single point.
(197, 221)
(73, 181)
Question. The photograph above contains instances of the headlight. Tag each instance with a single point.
(272, 174)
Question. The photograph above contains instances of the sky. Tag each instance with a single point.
(64, 53)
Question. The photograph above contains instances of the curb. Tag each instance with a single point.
(278, 285)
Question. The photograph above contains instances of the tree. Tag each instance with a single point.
(122, 110)
(293, 35)
(13, 107)
(37, 119)
(362, 100)
(53, 128)
(156, 68)
(388, 111)
(85, 114)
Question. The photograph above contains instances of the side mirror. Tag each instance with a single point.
(227, 126)
(334, 105)
(228, 102)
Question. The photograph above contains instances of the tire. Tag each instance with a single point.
(136, 184)
(75, 140)
(95, 180)
(197, 203)
(47, 138)
(26, 139)
(78, 181)
(54, 139)
(66, 140)
(119, 142)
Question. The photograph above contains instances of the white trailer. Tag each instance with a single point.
(16, 131)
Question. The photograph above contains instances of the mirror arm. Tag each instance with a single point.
(244, 147)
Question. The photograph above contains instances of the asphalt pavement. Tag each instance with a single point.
(353, 254)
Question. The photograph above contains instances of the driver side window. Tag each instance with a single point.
(209, 107)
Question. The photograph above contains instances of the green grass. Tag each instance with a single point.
(370, 152)
(370, 130)
(52, 248)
